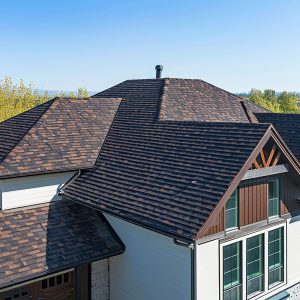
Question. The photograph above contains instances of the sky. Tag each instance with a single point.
(236, 45)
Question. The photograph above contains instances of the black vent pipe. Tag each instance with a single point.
(158, 69)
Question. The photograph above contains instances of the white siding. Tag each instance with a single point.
(152, 267)
(100, 280)
(293, 250)
(209, 264)
(207, 270)
(30, 190)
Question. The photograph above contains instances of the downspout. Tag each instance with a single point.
(61, 189)
(192, 247)
(194, 269)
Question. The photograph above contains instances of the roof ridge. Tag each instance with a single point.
(163, 97)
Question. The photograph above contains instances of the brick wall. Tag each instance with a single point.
(100, 280)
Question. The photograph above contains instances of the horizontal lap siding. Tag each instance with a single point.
(32, 190)
(152, 266)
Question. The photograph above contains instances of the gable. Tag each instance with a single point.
(288, 126)
(271, 159)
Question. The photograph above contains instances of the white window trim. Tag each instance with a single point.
(267, 290)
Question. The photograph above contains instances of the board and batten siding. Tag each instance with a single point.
(31, 190)
(152, 266)
(253, 202)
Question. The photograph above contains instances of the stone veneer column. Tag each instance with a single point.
(100, 280)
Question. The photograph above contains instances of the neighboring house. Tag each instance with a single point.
(152, 189)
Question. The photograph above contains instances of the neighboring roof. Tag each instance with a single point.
(288, 125)
(41, 240)
(165, 175)
(62, 134)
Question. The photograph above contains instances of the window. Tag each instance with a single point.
(276, 256)
(44, 284)
(55, 280)
(59, 279)
(17, 293)
(232, 271)
(231, 211)
(274, 198)
(255, 265)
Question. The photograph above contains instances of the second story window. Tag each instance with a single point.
(273, 198)
(232, 271)
(255, 265)
(231, 212)
(276, 264)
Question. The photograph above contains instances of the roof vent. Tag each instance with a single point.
(158, 69)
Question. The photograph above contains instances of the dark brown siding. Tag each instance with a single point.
(83, 281)
(253, 203)
(290, 192)
(219, 226)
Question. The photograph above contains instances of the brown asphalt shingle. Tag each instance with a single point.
(13, 129)
(41, 240)
(165, 175)
(197, 100)
(67, 136)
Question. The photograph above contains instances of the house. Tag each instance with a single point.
(153, 189)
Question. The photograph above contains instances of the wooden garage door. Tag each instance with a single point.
(58, 287)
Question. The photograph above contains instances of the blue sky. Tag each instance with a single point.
(237, 45)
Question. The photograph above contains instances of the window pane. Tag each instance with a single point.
(231, 211)
(273, 198)
(255, 264)
(276, 249)
(232, 271)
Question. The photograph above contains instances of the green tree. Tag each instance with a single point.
(265, 99)
(17, 97)
(285, 102)
(288, 102)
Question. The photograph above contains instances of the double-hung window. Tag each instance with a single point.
(232, 271)
(231, 211)
(273, 198)
(255, 265)
(275, 256)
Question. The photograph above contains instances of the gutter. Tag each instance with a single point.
(73, 178)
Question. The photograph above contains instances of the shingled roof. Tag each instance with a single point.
(197, 100)
(51, 238)
(288, 125)
(163, 167)
(62, 134)
(13, 129)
